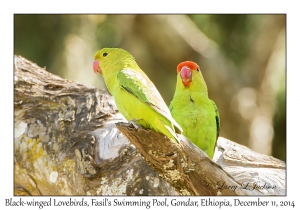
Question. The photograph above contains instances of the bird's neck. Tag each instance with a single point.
(198, 87)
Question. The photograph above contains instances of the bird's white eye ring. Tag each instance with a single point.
(198, 69)
(105, 54)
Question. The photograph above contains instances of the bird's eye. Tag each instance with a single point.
(105, 54)
(198, 69)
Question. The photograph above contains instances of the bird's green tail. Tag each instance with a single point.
(169, 132)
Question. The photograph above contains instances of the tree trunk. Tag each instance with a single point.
(70, 139)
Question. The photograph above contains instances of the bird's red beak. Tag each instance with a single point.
(186, 75)
(96, 67)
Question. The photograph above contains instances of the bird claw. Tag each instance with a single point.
(132, 122)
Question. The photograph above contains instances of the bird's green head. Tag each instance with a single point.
(112, 60)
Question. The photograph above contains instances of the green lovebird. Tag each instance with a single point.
(135, 95)
(193, 110)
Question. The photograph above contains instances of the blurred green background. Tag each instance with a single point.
(242, 58)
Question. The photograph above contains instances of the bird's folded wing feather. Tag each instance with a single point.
(139, 85)
(217, 117)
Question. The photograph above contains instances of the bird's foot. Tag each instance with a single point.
(132, 122)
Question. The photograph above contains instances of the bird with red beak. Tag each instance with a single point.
(197, 115)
